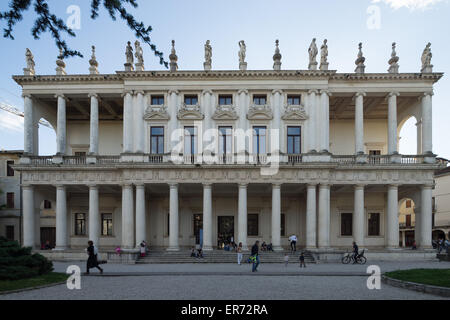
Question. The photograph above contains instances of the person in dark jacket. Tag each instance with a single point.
(92, 261)
(255, 255)
(355, 252)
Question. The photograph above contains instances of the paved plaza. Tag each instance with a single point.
(229, 281)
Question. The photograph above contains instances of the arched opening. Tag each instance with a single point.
(407, 136)
(407, 222)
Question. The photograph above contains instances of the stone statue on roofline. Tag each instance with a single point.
(173, 58)
(360, 67)
(324, 56)
(61, 65)
(29, 58)
(277, 57)
(139, 54)
(208, 56)
(312, 55)
(130, 58)
(242, 51)
(427, 67)
(93, 63)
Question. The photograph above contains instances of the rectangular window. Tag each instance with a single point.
(408, 204)
(252, 225)
(294, 140)
(283, 225)
(9, 169)
(346, 224)
(225, 139)
(226, 100)
(80, 224)
(10, 200)
(259, 100)
(259, 140)
(191, 100)
(80, 154)
(47, 204)
(107, 224)
(168, 224)
(157, 140)
(294, 100)
(408, 220)
(374, 224)
(157, 100)
(374, 152)
(10, 233)
(190, 140)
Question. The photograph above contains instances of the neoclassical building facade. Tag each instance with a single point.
(179, 158)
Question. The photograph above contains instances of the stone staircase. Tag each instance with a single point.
(219, 256)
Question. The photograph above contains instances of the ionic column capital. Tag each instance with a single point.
(139, 185)
(277, 91)
(326, 92)
(207, 185)
(243, 185)
(173, 91)
(61, 95)
(207, 91)
(27, 95)
(393, 186)
(126, 92)
(359, 94)
(126, 185)
(311, 91)
(311, 185)
(427, 186)
(173, 185)
(29, 187)
(244, 91)
(392, 94)
(141, 92)
(93, 95)
(360, 186)
(92, 186)
(325, 185)
(428, 93)
(276, 185)
(60, 187)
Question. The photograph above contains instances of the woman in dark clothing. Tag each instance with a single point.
(92, 261)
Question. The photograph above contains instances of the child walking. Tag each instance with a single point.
(286, 260)
(302, 260)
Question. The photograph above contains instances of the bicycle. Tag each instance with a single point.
(360, 259)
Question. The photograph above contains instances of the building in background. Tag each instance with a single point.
(441, 205)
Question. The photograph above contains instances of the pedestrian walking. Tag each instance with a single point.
(293, 241)
(143, 248)
(239, 253)
(255, 255)
(92, 261)
(302, 260)
(286, 260)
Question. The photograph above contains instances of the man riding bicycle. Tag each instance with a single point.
(355, 252)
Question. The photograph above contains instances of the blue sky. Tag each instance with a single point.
(410, 23)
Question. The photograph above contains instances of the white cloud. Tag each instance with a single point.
(11, 122)
(410, 4)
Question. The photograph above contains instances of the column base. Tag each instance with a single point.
(362, 158)
(57, 159)
(91, 159)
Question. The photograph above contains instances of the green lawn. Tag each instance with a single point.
(435, 277)
(52, 277)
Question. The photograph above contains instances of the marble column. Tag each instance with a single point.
(208, 123)
(419, 136)
(325, 120)
(173, 219)
(276, 217)
(312, 123)
(28, 124)
(61, 218)
(128, 121)
(173, 121)
(392, 226)
(427, 142)
(93, 134)
(243, 122)
(139, 132)
(28, 216)
(207, 217)
(94, 215)
(358, 215)
(392, 123)
(141, 223)
(61, 125)
(311, 221)
(359, 122)
(242, 215)
(277, 106)
(128, 239)
(426, 217)
(324, 216)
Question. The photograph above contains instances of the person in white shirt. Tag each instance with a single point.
(293, 241)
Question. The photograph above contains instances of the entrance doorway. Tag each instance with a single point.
(225, 230)
(48, 234)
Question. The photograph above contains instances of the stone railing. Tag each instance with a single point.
(258, 159)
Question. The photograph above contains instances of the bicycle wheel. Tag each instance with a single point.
(362, 260)
(346, 259)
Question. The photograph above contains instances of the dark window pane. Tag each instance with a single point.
(80, 224)
(9, 169)
(283, 225)
(294, 140)
(374, 224)
(190, 100)
(259, 99)
(346, 224)
(107, 224)
(294, 100)
(157, 140)
(10, 200)
(157, 100)
(225, 100)
(10, 233)
(252, 225)
(47, 204)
